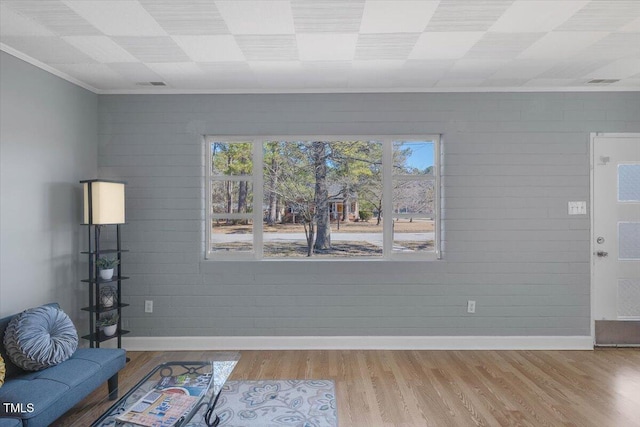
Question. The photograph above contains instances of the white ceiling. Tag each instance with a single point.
(253, 46)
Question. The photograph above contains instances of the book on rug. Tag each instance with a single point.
(159, 408)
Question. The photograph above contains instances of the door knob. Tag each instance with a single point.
(602, 254)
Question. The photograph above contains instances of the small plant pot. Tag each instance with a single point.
(110, 330)
(106, 274)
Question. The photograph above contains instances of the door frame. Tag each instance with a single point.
(592, 249)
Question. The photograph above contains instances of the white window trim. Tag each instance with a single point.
(257, 181)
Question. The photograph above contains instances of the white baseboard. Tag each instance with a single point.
(359, 343)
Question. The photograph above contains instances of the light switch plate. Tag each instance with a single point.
(577, 208)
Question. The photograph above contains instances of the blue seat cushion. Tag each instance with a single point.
(59, 388)
(40, 337)
(10, 422)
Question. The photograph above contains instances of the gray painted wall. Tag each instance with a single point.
(48, 142)
(512, 161)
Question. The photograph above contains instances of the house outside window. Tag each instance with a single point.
(317, 197)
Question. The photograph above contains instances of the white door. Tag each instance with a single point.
(616, 226)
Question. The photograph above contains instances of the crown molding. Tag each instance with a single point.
(26, 58)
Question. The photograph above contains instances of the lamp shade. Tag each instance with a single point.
(103, 202)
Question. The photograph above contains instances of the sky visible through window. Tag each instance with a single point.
(421, 156)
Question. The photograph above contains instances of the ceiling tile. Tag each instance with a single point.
(427, 69)
(257, 16)
(269, 47)
(153, 49)
(299, 75)
(178, 74)
(100, 76)
(14, 24)
(474, 68)
(631, 27)
(225, 67)
(50, 50)
(226, 75)
(117, 18)
(522, 68)
(101, 48)
(53, 15)
(385, 46)
(502, 46)
(317, 16)
(504, 82)
(572, 69)
(326, 47)
(621, 69)
(193, 17)
(396, 16)
(367, 74)
(467, 15)
(604, 15)
(135, 72)
(210, 48)
(615, 46)
(444, 45)
(459, 83)
(550, 83)
(533, 16)
(559, 45)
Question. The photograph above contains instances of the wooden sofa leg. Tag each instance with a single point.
(113, 387)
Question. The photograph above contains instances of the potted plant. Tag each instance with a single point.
(106, 266)
(109, 323)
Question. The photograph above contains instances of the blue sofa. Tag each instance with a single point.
(40, 397)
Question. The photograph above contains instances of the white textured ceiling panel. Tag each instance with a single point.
(536, 16)
(153, 49)
(101, 48)
(268, 47)
(50, 50)
(327, 47)
(602, 15)
(467, 15)
(210, 48)
(257, 16)
(385, 46)
(501, 45)
(117, 18)
(560, 45)
(15, 24)
(621, 69)
(397, 16)
(54, 15)
(332, 16)
(194, 17)
(444, 45)
(248, 46)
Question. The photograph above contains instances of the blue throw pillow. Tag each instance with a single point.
(40, 337)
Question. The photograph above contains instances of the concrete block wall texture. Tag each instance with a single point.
(512, 161)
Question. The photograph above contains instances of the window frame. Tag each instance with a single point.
(257, 180)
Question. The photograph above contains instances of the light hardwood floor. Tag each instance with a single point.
(440, 388)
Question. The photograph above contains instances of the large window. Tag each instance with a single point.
(319, 198)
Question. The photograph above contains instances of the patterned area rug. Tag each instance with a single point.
(277, 403)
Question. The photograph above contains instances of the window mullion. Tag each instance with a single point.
(387, 198)
(258, 198)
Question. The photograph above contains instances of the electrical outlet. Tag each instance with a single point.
(148, 306)
(471, 306)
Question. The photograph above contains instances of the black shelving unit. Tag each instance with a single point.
(95, 308)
